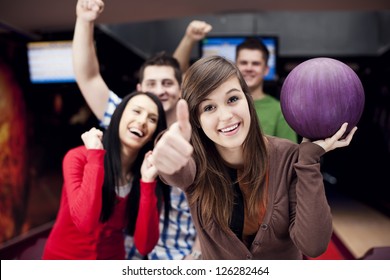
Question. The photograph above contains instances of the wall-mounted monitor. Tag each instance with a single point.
(50, 62)
(226, 46)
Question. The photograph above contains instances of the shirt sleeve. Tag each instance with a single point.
(312, 228)
(182, 178)
(147, 226)
(83, 181)
(113, 102)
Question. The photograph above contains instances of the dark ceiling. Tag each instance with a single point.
(36, 16)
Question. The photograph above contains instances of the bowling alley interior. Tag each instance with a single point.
(41, 119)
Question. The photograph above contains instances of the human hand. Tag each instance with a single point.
(197, 30)
(336, 141)
(148, 171)
(89, 10)
(173, 150)
(93, 139)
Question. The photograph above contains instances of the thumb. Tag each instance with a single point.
(208, 28)
(183, 120)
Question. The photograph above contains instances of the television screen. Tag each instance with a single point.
(50, 62)
(226, 46)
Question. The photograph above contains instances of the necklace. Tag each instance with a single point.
(129, 177)
(126, 179)
(125, 187)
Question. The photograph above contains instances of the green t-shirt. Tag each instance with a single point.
(271, 119)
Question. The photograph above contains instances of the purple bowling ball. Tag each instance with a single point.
(319, 95)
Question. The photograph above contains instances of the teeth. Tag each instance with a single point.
(136, 131)
(230, 128)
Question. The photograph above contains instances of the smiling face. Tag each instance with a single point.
(161, 81)
(253, 67)
(224, 116)
(138, 122)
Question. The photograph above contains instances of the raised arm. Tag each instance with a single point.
(85, 62)
(147, 229)
(311, 228)
(83, 173)
(196, 31)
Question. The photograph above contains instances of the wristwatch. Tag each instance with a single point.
(197, 255)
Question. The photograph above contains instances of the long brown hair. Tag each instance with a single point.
(212, 186)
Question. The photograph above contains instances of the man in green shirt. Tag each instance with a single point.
(251, 58)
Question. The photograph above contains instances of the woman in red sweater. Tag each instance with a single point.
(110, 186)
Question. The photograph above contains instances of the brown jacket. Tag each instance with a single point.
(297, 220)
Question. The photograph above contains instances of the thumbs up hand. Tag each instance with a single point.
(173, 151)
(182, 125)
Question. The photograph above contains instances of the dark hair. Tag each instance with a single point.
(211, 188)
(162, 59)
(253, 43)
(113, 163)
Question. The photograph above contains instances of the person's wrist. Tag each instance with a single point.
(189, 40)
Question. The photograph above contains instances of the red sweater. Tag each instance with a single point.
(78, 233)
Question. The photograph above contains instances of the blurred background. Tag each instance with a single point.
(43, 117)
